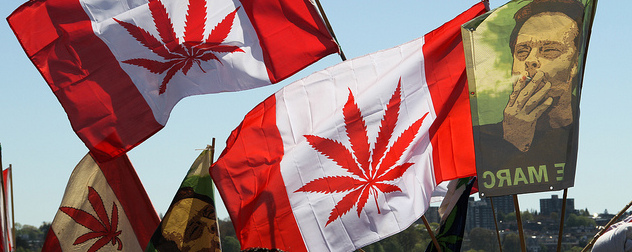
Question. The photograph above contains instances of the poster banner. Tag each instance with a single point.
(525, 63)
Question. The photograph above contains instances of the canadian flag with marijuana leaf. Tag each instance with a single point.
(118, 67)
(104, 208)
(351, 154)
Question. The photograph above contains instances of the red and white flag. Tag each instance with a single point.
(118, 67)
(4, 221)
(351, 154)
(104, 206)
(7, 180)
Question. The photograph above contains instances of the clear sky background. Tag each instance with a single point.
(38, 141)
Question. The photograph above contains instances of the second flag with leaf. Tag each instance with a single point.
(351, 154)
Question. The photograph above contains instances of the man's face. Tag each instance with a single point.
(546, 43)
(199, 233)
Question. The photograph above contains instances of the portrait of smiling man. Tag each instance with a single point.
(525, 107)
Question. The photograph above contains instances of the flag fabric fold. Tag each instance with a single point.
(190, 224)
(119, 67)
(104, 206)
(351, 154)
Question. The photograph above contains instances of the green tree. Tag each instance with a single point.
(483, 239)
(392, 244)
(527, 216)
(30, 238)
(410, 237)
(510, 216)
(230, 244)
(584, 212)
(511, 242)
(226, 228)
(579, 221)
(44, 228)
(414, 238)
(574, 249)
(375, 247)
(228, 237)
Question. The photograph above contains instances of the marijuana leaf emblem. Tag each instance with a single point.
(180, 56)
(370, 169)
(101, 227)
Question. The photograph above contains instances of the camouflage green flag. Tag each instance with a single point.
(525, 63)
(453, 211)
(190, 224)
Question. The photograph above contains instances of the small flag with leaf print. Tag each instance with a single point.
(104, 207)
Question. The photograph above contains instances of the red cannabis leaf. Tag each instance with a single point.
(370, 169)
(180, 56)
(102, 228)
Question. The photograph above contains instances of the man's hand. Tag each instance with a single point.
(526, 104)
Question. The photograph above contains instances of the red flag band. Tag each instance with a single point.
(118, 71)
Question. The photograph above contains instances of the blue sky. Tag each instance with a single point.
(38, 141)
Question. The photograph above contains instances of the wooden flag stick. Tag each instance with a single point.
(523, 246)
(561, 233)
(434, 239)
(500, 246)
(212, 150)
(331, 30)
(603, 230)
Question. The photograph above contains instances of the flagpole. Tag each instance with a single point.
(212, 148)
(523, 246)
(500, 246)
(615, 218)
(434, 239)
(559, 235)
(331, 30)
